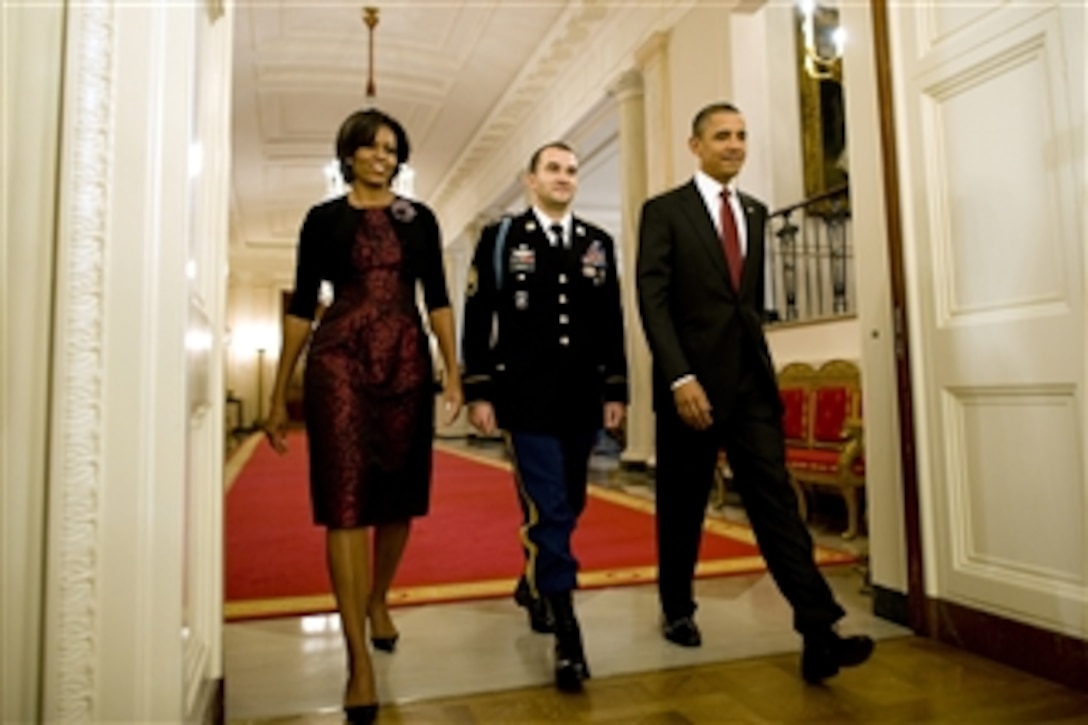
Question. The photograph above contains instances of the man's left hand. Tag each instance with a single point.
(613, 415)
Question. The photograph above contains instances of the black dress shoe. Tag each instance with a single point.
(825, 653)
(361, 714)
(570, 666)
(540, 615)
(682, 631)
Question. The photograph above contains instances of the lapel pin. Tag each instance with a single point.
(580, 230)
(530, 226)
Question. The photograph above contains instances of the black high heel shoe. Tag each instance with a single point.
(385, 644)
(361, 714)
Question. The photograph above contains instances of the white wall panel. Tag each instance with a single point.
(1014, 481)
(876, 331)
(815, 344)
(997, 239)
(944, 19)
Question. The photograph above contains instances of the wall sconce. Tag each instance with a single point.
(824, 40)
(334, 182)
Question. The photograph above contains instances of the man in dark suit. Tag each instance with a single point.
(701, 293)
(544, 360)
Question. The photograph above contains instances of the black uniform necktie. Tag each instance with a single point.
(557, 235)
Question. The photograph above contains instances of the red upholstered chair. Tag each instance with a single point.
(832, 453)
(795, 383)
(795, 387)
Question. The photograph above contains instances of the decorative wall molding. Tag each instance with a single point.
(215, 10)
(630, 83)
(76, 483)
(567, 40)
(655, 47)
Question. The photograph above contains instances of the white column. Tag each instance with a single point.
(31, 59)
(628, 93)
(653, 62)
(119, 486)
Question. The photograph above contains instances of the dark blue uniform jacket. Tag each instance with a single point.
(543, 335)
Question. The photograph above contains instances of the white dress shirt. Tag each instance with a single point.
(546, 222)
(711, 191)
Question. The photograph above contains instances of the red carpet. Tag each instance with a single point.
(466, 548)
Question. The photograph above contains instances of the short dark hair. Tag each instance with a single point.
(359, 129)
(535, 158)
(709, 110)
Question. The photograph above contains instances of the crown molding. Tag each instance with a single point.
(564, 43)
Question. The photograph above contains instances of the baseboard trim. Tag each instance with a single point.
(211, 705)
(891, 605)
(634, 465)
(1052, 655)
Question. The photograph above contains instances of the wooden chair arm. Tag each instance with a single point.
(852, 428)
(854, 443)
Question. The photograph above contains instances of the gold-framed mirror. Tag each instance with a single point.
(819, 40)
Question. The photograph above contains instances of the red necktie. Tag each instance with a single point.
(731, 240)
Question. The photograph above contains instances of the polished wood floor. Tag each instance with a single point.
(909, 680)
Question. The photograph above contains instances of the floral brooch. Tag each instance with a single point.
(403, 210)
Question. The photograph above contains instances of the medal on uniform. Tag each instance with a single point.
(522, 259)
(595, 263)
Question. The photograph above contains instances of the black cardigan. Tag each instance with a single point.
(325, 245)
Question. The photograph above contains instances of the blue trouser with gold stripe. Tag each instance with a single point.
(551, 472)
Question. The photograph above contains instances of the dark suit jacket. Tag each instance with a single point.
(695, 322)
(547, 349)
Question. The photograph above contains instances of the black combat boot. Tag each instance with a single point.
(570, 658)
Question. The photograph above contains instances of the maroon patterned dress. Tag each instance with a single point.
(369, 392)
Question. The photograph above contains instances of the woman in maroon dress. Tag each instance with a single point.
(369, 386)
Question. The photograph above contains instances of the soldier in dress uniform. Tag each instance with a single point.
(543, 350)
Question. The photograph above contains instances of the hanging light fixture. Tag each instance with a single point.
(824, 39)
(370, 17)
